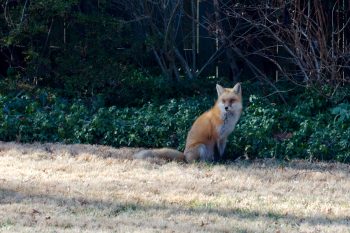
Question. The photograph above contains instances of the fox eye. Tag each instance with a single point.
(231, 101)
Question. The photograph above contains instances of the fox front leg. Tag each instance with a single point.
(221, 144)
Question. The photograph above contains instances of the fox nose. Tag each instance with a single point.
(226, 108)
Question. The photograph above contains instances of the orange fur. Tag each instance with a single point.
(209, 130)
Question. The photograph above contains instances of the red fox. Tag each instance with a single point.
(210, 130)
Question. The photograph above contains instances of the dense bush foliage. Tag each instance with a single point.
(50, 118)
(90, 72)
(315, 129)
(312, 129)
(132, 88)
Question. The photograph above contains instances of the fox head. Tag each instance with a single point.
(230, 99)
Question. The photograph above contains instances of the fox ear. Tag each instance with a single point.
(219, 89)
(237, 89)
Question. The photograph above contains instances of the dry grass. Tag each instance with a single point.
(80, 188)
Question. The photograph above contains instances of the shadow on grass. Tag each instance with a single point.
(112, 209)
(297, 165)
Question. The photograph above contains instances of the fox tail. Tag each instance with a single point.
(163, 153)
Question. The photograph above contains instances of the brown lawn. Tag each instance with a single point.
(83, 188)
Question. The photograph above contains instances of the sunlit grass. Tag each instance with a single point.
(81, 188)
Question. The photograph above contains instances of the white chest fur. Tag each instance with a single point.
(229, 119)
(229, 123)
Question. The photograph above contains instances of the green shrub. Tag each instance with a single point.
(55, 119)
(313, 129)
(310, 130)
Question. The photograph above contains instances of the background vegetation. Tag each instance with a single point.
(131, 73)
